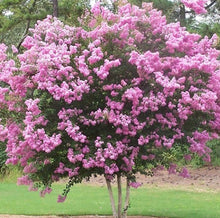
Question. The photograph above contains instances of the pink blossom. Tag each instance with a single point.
(184, 173)
(197, 5)
(14, 49)
(144, 157)
(32, 106)
(3, 49)
(3, 133)
(135, 184)
(60, 169)
(61, 199)
(172, 169)
(187, 157)
(47, 190)
(24, 180)
(29, 169)
(96, 9)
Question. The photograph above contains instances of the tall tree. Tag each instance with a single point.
(70, 11)
(16, 17)
(55, 8)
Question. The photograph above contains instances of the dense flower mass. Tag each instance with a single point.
(108, 100)
(197, 5)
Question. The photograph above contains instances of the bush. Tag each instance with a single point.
(3, 158)
(215, 155)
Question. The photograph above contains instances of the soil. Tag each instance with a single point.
(206, 179)
(201, 179)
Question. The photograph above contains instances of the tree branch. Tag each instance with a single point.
(24, 34)
(210, 5)
(27, 26)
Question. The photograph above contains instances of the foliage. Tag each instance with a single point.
(10, 173)
(207, 29)
(70, 11)
(111, 98)
(196, 161)
(3, 158)
(17, 17)
(215, 155)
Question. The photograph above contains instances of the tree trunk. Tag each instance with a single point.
(127, 197)
(119, 213)
(182, 15)
(55, 8)
(119, 195)
(111, 198)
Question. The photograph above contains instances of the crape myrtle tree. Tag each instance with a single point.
(110, 99)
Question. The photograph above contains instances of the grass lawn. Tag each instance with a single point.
(85, 199)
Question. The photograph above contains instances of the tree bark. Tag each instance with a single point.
(55, 8)
(119, 196)
(111, 198)
(24, 34)
(210, 5)
(27, 26)
(127, 197)
(182, 15)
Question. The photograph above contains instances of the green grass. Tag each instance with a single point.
(10, 174)
(93, 200)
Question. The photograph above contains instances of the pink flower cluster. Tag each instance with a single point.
(197, 5)
(117, 96)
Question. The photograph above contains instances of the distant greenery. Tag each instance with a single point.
(215, 155)
(176, 155)
(17, 17)
(3, 158)
(10, 174)
(92, 200)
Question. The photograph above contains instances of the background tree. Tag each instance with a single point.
(71, 11)
(17, 17)
(55, 8)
